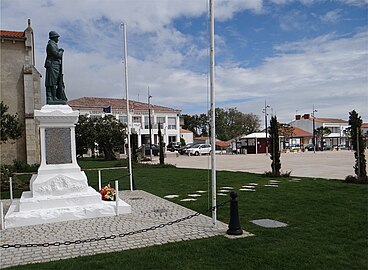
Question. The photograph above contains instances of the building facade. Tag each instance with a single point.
(139, 117)
(338, 128)
(20, 90)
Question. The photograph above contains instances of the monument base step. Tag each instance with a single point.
(32, 211)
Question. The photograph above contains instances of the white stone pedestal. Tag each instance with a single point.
(60, 190)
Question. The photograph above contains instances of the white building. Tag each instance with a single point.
(337, 127)
(139, 113)
(187, 135)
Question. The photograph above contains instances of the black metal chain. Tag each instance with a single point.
(113, 236)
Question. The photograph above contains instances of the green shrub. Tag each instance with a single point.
(356, 180)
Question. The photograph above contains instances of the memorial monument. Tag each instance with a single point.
(60, 190)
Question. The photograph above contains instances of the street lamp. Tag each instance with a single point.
(149, 123)
(314, 130)
(265, 113)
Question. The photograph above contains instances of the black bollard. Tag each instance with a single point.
(234, 225)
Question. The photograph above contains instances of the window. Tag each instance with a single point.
(171, 123)
(123, 119)
(146, 122)
(160, 120)
(137, 119)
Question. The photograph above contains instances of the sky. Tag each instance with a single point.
(291, 54)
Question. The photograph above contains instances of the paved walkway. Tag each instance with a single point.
(328, 164)
(147, 210)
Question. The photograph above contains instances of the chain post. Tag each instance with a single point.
(11, 188)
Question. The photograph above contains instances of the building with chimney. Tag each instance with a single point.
(338, 128)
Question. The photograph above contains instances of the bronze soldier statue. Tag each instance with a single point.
(54, 82)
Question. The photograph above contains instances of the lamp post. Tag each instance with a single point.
(314, 130)
(265, 113)
(149, 123)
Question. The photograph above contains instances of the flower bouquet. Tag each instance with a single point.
(108, 193)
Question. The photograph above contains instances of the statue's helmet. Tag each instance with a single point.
(53, 34)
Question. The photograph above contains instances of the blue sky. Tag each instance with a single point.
(294, 54)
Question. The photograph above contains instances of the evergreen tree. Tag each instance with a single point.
(358, 144)
(161, 141)
(273, 141)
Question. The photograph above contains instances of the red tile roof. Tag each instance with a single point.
(330, 120)
(90, 103)
(364, 125)
(297, 132)
(11, 34)
(185, 131)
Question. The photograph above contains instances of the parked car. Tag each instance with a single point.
(309, 147)
(183, 149)
(146, 149)
(199, 149)
(173, 146)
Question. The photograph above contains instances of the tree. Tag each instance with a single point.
(11, 127)
(161, 141)
(229, 123)
(110, 135)
(358, 144)
(107, 132)
(320, 133)
(85, 135)
(232, 123)
(287, 132)
(274, 146)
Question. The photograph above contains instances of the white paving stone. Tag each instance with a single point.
(188, 200)
(247, 189)
(194, 195)
(271, 186)
(226, 187)
(171, 196)
(224, 190)
(201, 191)
(253, 184)
(222, 194)
(249, 186)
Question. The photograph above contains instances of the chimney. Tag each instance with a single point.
(306, 116)
(297, 117)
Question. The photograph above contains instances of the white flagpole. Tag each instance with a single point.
(127, 107)
(212, 99)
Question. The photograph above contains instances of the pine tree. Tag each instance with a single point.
(160, 137)
(358, 144)
(273, 141)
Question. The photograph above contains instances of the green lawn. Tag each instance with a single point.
(328, 224)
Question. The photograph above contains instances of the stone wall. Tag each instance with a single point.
(20, 85)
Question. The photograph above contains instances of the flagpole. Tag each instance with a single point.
(212, 100)
(127, 106)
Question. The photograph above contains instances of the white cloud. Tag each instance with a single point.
(331, 16)
(328, 71)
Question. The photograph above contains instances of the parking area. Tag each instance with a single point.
(328, 164)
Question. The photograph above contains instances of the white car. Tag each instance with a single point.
(199, 149)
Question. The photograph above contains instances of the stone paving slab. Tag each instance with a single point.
(147, 210)
(327, 164)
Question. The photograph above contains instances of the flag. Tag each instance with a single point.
(107, 109)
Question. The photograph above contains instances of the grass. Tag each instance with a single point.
(327, 219)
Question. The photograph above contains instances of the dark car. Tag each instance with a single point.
(173, 146)
(309, 147)
(155, 149)
(184, 148)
